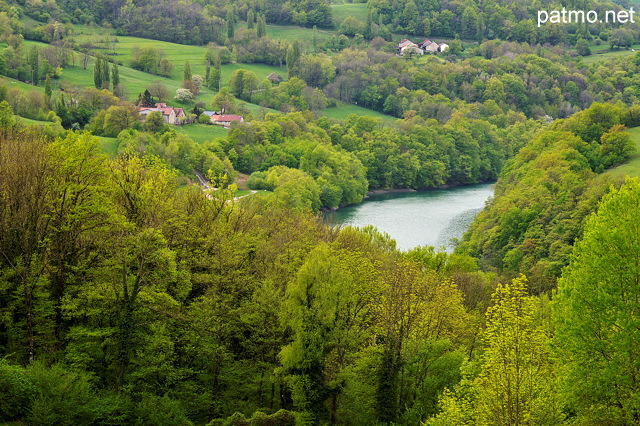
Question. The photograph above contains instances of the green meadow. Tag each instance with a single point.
(341, 112)
(290, 33)
(599, 53)
(202, 132)
(631, 167)
(342, 11)
(109, 146)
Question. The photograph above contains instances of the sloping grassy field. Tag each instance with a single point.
(342, 11)
(341, 112)
(600, 53)
(631, 167)
(202, 132)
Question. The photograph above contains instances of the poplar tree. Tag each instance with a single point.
(104, 70)
(262, 26)
(34, 64)
(97, 73)
(115, 75)
(187, 71)
(47, 89)
(231, 30)
(250, 19)
(293, 59)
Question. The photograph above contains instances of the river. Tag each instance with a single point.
(418, 218)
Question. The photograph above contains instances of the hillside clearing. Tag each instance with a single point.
(631, 167)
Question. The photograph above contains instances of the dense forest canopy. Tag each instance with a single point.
(139, 284)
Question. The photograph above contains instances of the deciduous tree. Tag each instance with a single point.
(596, 314)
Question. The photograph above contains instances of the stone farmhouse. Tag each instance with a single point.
(170, 115)
(426, 46)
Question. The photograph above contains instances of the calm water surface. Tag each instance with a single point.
(418, 218)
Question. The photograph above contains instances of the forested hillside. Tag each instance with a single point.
(162, 259)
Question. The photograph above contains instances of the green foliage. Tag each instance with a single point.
(545, 193)
(160, 410)
(17, 393)
(515, 380)
(582, 47)
(187, 71)
(148, 59)
(243, 83)
(594, 313)
(293, 188)
(63, 397)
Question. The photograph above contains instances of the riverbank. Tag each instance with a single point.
(417, 217)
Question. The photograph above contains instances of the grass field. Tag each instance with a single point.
(601, 52)
(30, 122)
(631, 167)
(11, 83)
(176, 53)
(202, 132)
(341, 112)
(304, 35)
(109, 146)
(135, 82)
(342, 11)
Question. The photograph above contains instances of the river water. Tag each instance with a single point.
(418, 218)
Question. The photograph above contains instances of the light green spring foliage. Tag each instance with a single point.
(327, 309)
(597, 316)
(515, 383)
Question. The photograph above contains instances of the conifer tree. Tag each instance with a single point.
(187, 71)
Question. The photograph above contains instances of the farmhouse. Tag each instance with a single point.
(430, 47)
(226, 120)
(169, 114)
(407, 47)
(274, 78)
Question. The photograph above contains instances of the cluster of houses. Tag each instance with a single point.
(426, 46)
(172, 115)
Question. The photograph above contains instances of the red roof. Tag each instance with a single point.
(164, 109)
(226, 118)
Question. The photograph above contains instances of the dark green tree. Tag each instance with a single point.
(187, 71)
(115, 74)
(146, 100)
(97, 73)
(582, 47)
(105, 72)
(250, 19)
(47, 89)
(262, 26)
(34, 64)
(293, 59)
(230, 18)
